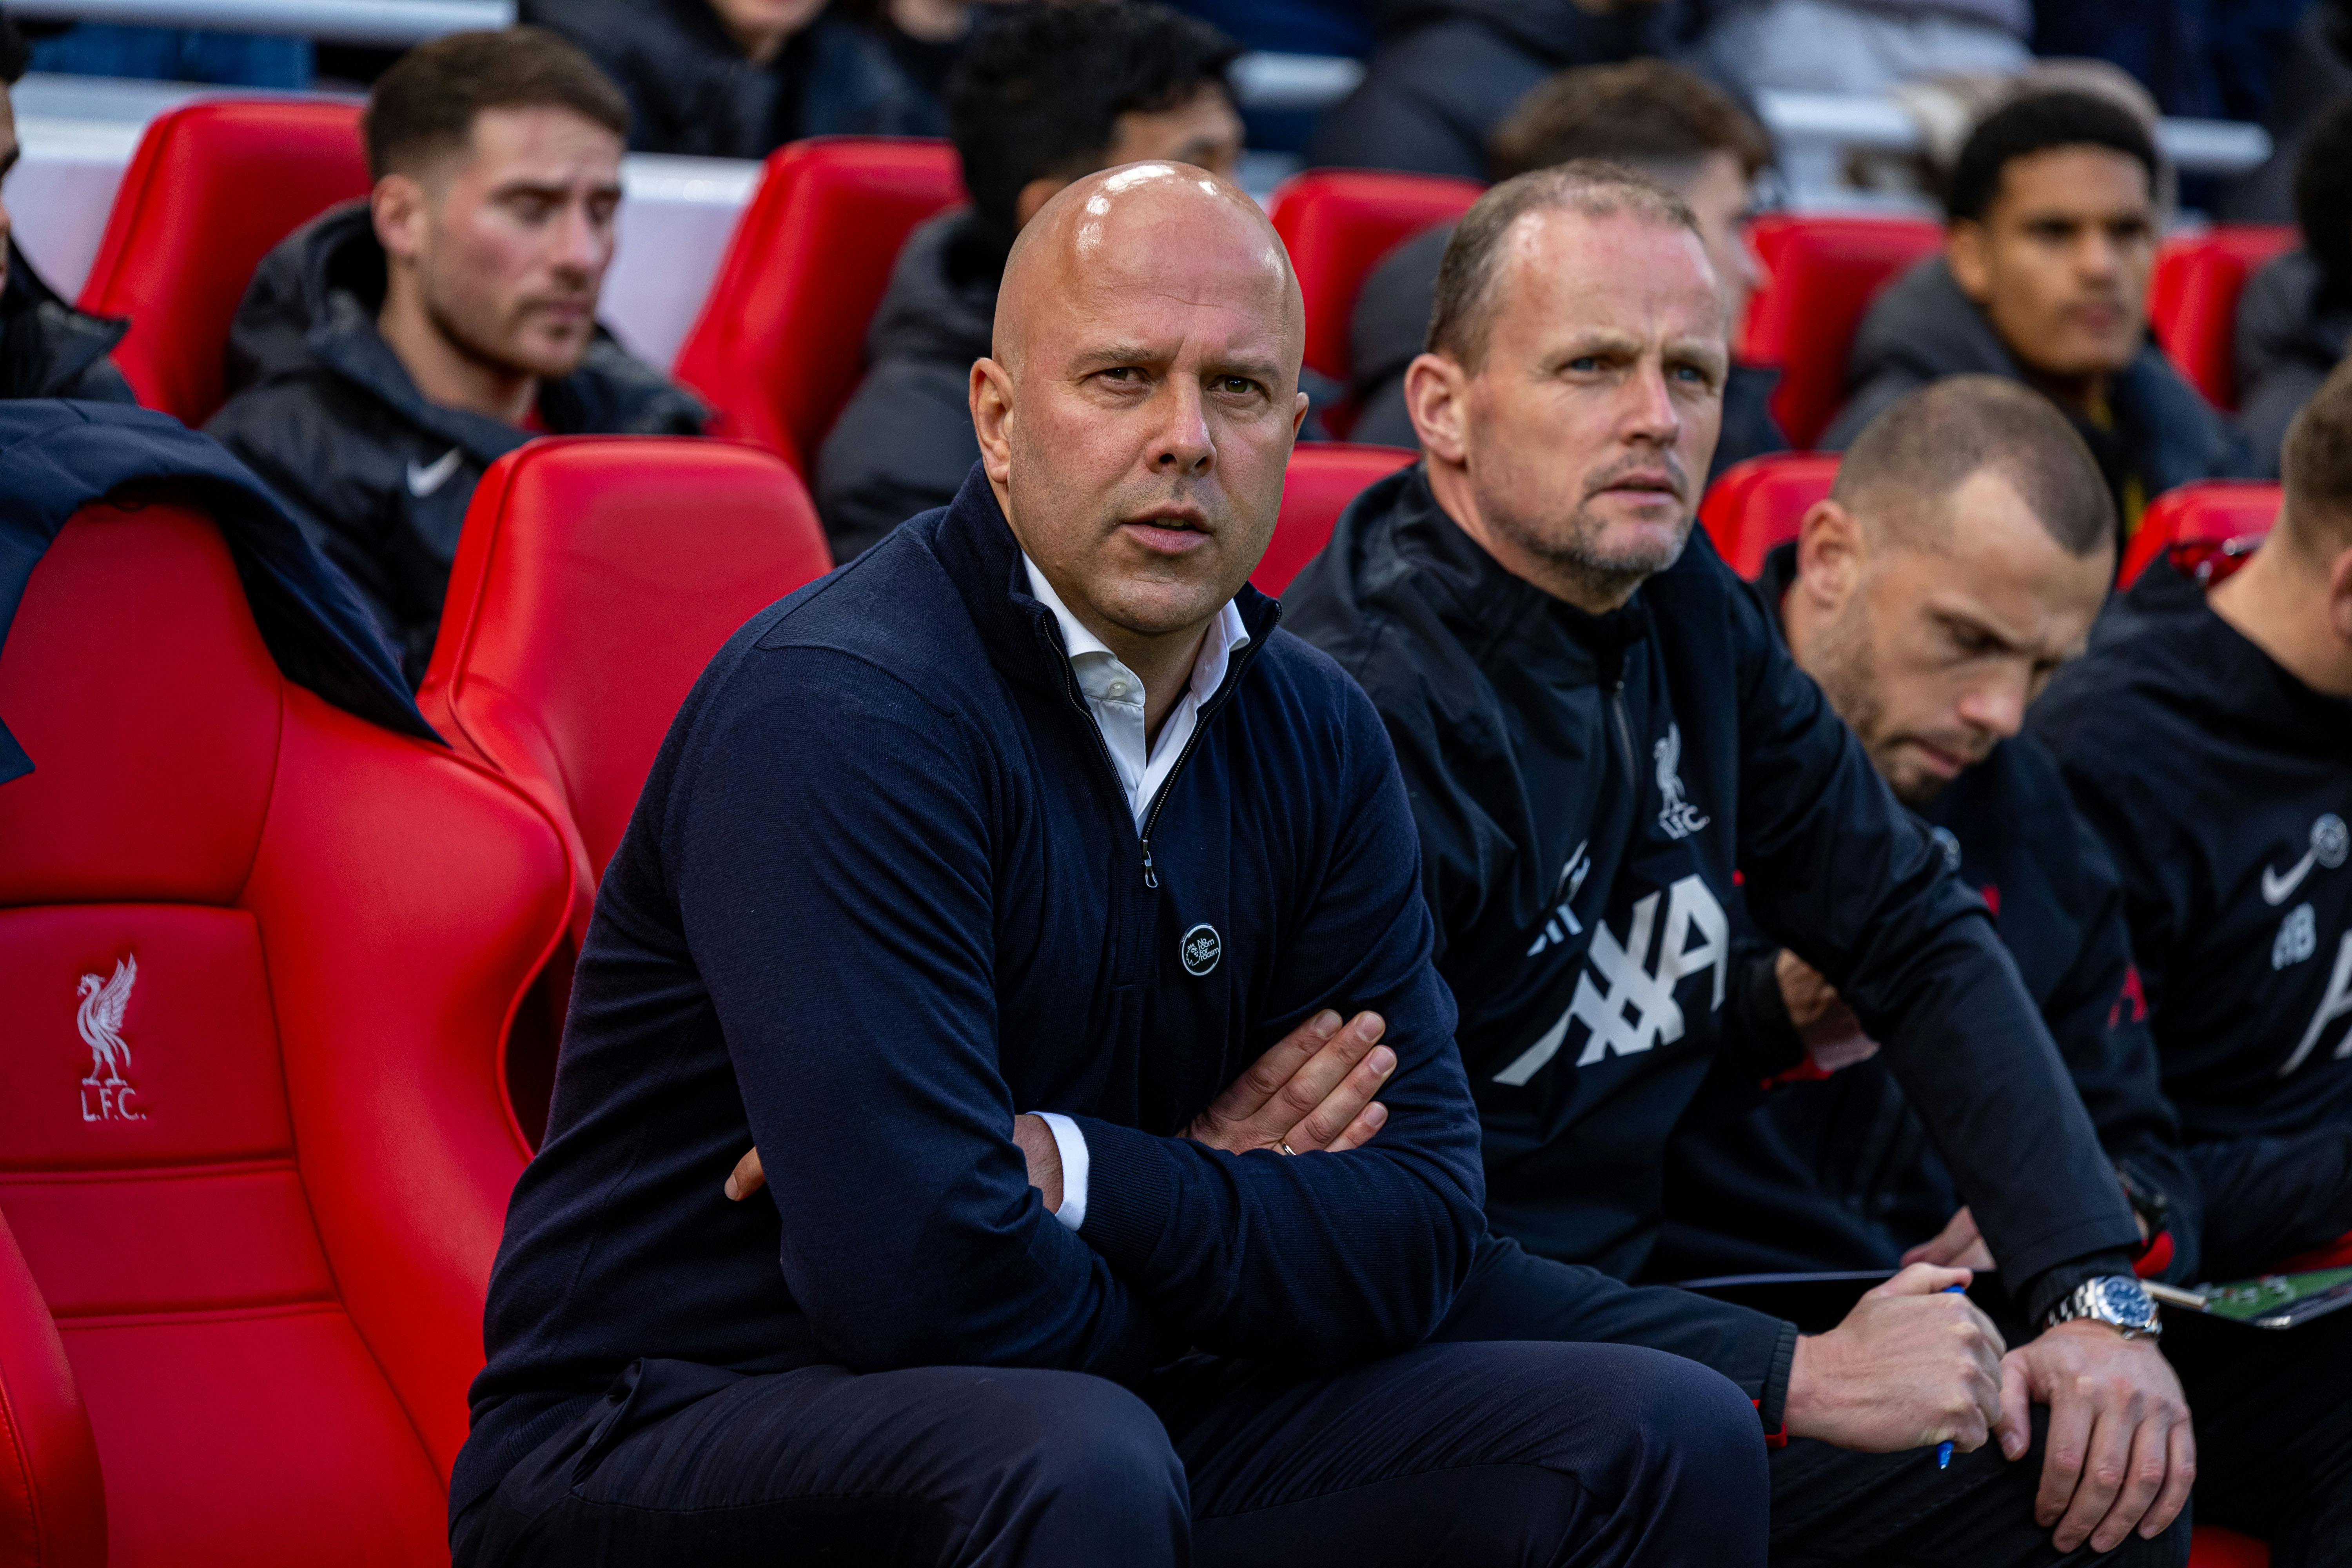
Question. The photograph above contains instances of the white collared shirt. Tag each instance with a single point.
(1115, 697)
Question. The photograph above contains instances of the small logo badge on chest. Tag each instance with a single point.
(1199, 950)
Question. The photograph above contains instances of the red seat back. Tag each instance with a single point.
(212, 188)
(1822, 274)
(259, 958)
(678, 541)
(2211, 1546)
(2212, 511)
(1338, 223)
(1756, 505)
(780, 342)
(2192, 301)
(1323, 477)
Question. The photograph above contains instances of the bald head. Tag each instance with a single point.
(1138, 405)
(1122, 228)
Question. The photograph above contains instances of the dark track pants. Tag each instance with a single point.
(1832, 1508)
(1458, 1454)
(2273, 1416)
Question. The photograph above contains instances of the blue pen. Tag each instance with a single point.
(1944, 1448)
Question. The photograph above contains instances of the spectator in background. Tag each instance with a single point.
(1840, 45)
(2295, 320)
(1659, 119)
(391, 349)
(48, 349)
(2051, 236)
(176, 54)
(1046, 95)
(738, 79)
(1446, 73)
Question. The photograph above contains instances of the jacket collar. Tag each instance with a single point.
(45, 343)
(976, 547)
(1492, 612)
(2212, 667)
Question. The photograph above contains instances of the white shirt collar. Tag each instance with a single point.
(1226, 637)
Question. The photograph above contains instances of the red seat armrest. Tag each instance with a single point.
(52, 1500)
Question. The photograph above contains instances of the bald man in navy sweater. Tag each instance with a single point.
(969, 884)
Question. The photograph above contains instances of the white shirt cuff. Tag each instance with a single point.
(1071, 1144)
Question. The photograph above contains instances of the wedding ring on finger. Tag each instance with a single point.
(1284, 1144)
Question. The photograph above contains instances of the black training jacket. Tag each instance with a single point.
(1840, 1173)
(2221, 786)
(1585, 788)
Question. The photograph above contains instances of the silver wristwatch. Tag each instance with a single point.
(2115, 1299)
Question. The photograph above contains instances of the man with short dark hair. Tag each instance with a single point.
(391, 349)
(2050, 240)
(968, 884)
(1661, 119)
(2294, 320)
(1043, 95)
(1963, 556)
(1606, 748)
(48, 349)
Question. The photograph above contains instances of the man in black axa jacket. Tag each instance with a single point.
(1597, 726)
(1962, 558)
(48, 349)
(968, 884)
(1043, 95)
(2208, 738)
(391, 350)
(1961, 561)
(2049, 241)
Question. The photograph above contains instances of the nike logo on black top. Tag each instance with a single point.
(424, 479)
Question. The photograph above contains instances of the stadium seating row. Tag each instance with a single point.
(777, 349)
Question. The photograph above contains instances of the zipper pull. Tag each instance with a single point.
(1150, 877)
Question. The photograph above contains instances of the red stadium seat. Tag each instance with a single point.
(2214, 512)
(259, 958)
(679, 540)
(2192, 301)
(2213, 1547)
(1822, 274)
(1756, 505)
(780, 342)
(1324, 477)
(1338, 223)
(212, 188)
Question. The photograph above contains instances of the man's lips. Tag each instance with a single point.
(1171, 531)
(1945, 763)
(1644, 487)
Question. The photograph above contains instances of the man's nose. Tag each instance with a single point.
(583, 245)
(1650, 412)
(1997, 707)
(2098, 254)
(1182, 444)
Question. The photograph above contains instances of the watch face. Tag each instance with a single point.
(2122, 1302)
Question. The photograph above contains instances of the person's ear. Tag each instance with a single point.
(1832, 554)
(1436, 396)
(991, 394)
(1032, 199)
(1298, 416)
(1968, 252)
(2339, 598)
(398, 207)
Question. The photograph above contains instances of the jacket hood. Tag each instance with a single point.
(941, 302)
(312, 308)
(2192, 659)
(1558, 30)
(47, 345)
(2280, 318)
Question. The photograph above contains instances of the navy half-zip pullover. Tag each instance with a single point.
(1841, 1173)
(882, 890)
(2222, 786)
(1585, 788)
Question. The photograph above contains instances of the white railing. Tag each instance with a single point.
(386, 22)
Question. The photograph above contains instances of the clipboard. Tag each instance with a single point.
(2267, 1302)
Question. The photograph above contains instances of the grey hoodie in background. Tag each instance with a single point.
(324, 410)
(905, 442)
(2288, 339)
(1447, 72)
(1923, 329)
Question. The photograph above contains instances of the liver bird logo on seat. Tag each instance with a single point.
(100, 1019)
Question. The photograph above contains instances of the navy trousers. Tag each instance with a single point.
(1460, 1453)
(1832, 1508)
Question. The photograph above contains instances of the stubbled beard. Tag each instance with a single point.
(1848, 673)
(1575, 555)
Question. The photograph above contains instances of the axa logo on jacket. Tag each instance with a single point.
(106, 1093)
(1639, 1010)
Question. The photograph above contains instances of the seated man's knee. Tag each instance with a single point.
(1068, 1434)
